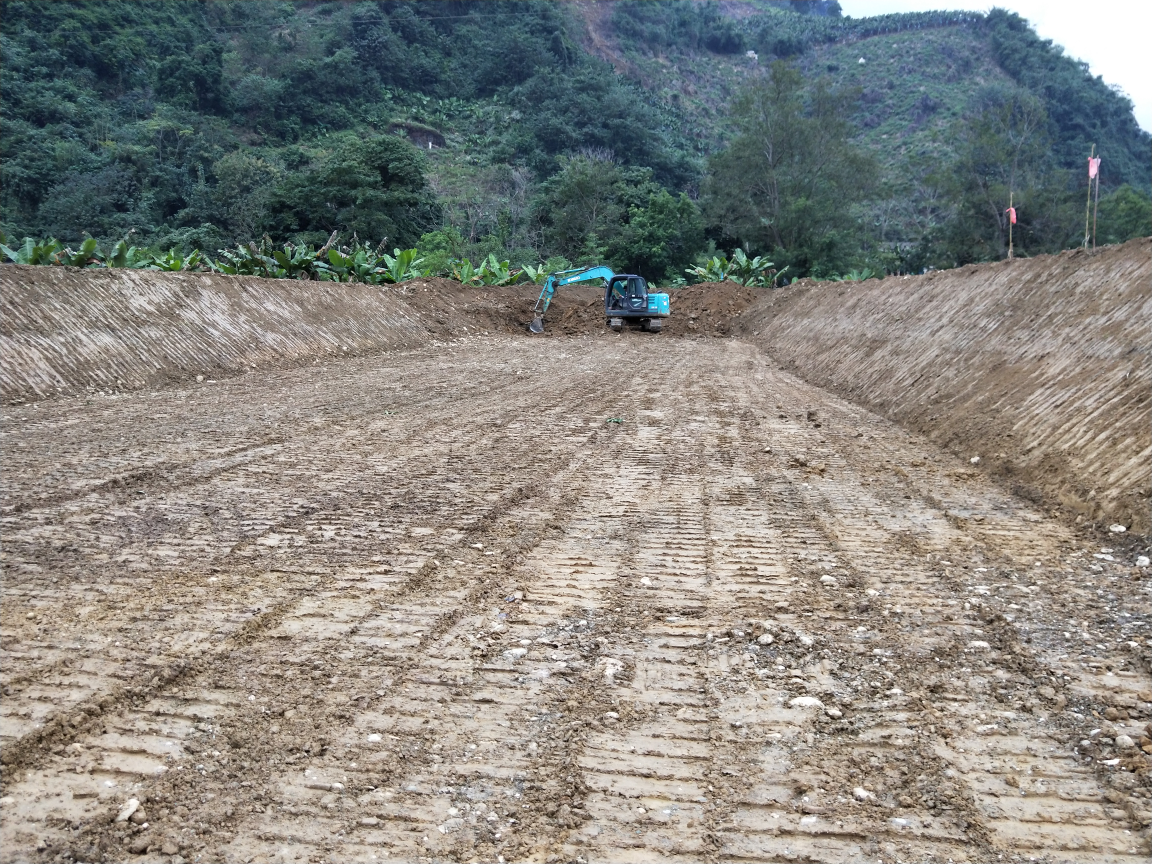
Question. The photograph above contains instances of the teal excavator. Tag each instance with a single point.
(627, 300)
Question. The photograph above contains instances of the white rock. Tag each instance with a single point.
(516, 654)
(806, 702)
(375, 737)
(130, 807)
(1124, 742)
(1117, 529)
(861, 794)
(975, 460)
(828, 580)
(644, 580)
(834, 713)
(766, 639)
(1143, 561)
(979, 643)
(861, 61)
(477, 545)
(805, 640)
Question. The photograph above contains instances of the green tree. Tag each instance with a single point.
(374, 187)
(580, 208)
(660, 238)
(1003, 154)
(1123, 215)
(789, 180)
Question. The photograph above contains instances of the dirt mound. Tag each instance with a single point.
(708, 309)
(1037, 368)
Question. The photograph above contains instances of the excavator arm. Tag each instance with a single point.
(554, 281)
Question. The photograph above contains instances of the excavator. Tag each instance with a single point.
(627, 300)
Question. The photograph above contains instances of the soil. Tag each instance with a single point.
(583, 597)
(1038, 368)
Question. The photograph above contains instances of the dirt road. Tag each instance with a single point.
(607, 599)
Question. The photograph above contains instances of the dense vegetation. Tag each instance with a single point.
(497, 129)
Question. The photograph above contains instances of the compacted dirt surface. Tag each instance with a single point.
(582, 599)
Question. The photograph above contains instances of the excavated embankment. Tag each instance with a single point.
(1039, 367)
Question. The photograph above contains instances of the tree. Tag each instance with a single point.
(374, 187)
(661, 238)
(580, 207)
(1003, 154)
(789, 180)
(1124, 214)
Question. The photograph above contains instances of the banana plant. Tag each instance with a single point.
(855, 276)
(352, 266)
(174, 262)
(34, 252)
(742, 270)
(464, 273)
(493, 272)
(401, 266)
(246, 261)
(536, 274)
(132, 257)
(715, 270)
(88, 255)
(296, 262)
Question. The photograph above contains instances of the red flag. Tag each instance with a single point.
(1011, 211)
(1093, 167)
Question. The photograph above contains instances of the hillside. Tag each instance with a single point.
(205, 124)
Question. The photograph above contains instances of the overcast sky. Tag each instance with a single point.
(1111, 35)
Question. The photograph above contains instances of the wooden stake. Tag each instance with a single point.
(1088, 202)
(1010, 205)
(1095, 207)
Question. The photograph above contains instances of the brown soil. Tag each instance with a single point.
(1038, 367)
(421, 587)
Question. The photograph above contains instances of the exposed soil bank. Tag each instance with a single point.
(1039, 367)
(64, 330)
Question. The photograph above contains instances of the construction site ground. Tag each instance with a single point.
(572, 599)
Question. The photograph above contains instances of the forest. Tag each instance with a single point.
(655, 136)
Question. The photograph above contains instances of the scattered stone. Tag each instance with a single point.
(834, 713)
(1124, 742)
(830, 581)
(766, 639)
(130, 807)
(369, 821)
(861, 794)
(516, 654)
(979, 644)
(318, 785)
(975, 460)
(139, 817)
(140, 845)
(1143, 561)
(375, 738)
(1117, 529)
(806, 702)
(783, 604)
(644, 580)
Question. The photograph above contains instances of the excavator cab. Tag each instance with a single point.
(628, 294)
(627, 300)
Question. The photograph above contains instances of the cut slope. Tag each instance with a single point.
(64, 330)
(1039, 367)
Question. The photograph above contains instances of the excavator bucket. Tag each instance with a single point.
(537, 325)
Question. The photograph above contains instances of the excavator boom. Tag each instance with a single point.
(554, 281)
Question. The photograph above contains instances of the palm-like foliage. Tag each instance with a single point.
(741, 269)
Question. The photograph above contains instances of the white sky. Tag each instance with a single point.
(1111, 35)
